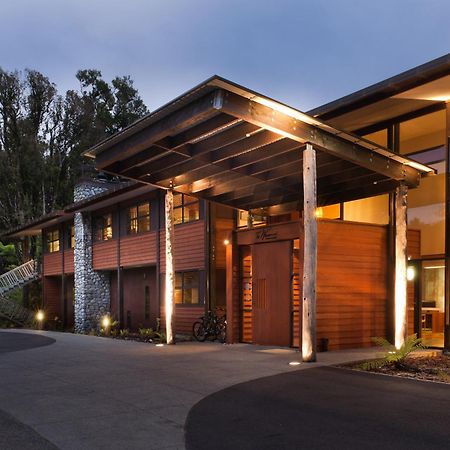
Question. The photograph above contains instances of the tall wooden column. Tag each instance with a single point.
(170, 272)
(401, 225)
(310, 254)
(447, 233)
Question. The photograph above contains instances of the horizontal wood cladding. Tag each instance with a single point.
(189, 248)
(184, 318)
(138, 250)
(52, 263)
(68, 261)
(413, 246)
(351, 283)
(104, 255)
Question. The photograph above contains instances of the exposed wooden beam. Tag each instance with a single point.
(302, 132)
(186, 117)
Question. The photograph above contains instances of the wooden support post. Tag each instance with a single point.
(401, 225)
(447, 233)
(170, 272)
(232, 299)
(310, 254)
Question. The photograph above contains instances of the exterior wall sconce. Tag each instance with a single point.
(319, 212)
(226, 242)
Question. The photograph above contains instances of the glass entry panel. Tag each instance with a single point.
(432, 315)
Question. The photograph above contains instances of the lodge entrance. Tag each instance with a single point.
(271, 271)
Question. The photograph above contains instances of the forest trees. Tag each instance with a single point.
(43, 133)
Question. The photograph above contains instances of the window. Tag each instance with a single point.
(146, 303)
(71, 236)
(187, 288)
(103, 228)
(185, 208)
(247, 220)
(53, 241)
(139, 218)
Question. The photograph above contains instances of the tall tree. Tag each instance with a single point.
(43, 134)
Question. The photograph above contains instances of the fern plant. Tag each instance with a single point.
(394, 356)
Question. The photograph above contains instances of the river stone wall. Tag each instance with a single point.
(92, 288)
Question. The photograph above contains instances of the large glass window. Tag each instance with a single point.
(433, 288)
(103, 228)
(185, 208)
(368, 210)
(187, 288)
(139, 218)
(52, 239)
(70, 236)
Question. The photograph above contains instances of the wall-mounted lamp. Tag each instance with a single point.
(226, 242)
(410, 273)
(319, 212)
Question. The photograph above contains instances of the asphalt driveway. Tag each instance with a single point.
(323, 408)
(85, 392)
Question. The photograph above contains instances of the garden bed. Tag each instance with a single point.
(428, 366)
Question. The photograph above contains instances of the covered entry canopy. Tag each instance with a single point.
(228, 144)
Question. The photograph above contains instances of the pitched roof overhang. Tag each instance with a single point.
(228, 144)
(423, 89)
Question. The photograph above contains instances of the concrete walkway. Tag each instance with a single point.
(85, 392)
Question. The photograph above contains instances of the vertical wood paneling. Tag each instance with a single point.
(184, 318)
(52, 297)
(246, 294)
(297, 275)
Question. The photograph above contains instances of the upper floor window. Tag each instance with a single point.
(187, 288)
(70, 237)
(185, 208)
(139, 218)
(52, 239)
(103, 228)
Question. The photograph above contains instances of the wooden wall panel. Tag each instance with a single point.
(52, 297)
(184, 318)
(189, 247)
(68, 261)
(351, 283)
(52, 263)
(138, 250)
(246, 294)
(104, 255)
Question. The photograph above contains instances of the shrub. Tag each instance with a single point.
(124, 333)
(393, 356)
(146, 334)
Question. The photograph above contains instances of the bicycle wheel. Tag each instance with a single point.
(199, 332)
(222, 332)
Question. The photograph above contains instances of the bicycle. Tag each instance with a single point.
(210, 325)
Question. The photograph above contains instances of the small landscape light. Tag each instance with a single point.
(40, 316)
(159, 345)
(106, 322)
(226, 241)
(294, 363)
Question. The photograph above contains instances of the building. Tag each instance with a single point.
(248, 218)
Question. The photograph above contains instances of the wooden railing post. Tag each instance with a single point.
(170, 272)
(310, 255)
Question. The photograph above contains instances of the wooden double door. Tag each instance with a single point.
(271, 293)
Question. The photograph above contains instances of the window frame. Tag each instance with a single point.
(106, 222)
(50, 242)
(138, 218)
(183, 288)
(182, 206)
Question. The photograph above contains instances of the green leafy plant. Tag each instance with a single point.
(124, 333)
(146, 334)
(393, 356)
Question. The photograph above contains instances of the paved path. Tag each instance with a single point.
(323, 408)
(85, 392)
(13, 342)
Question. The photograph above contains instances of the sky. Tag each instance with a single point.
(303, 53)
